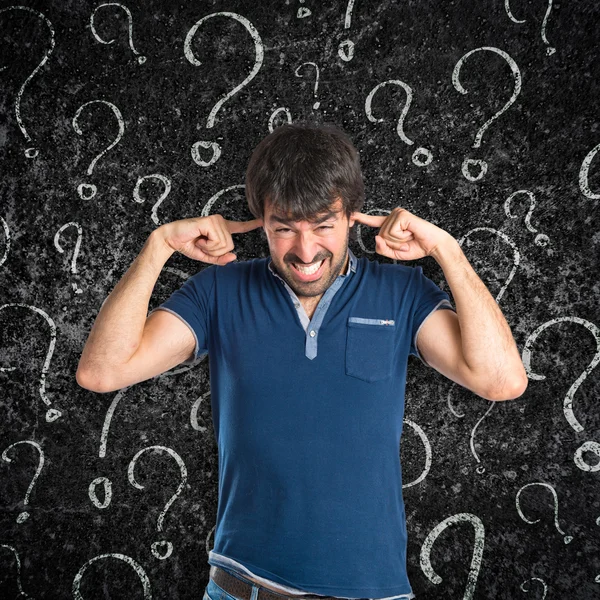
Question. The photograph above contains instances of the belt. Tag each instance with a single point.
(242, 588)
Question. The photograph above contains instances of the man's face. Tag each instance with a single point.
(308, 243)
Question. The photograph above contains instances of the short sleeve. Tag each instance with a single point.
(192, 304)
(428, 298)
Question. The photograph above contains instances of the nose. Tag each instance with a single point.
(306, 249)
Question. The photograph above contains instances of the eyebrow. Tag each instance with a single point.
(329, 215)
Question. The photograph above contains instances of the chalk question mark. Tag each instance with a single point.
(589, 446)
(105, 482)
(549, 50)
(428, 454)
(194, 412)
(303, 12)
(421, 156)
(470, 162)
(297, 74)
(274, 116)
(466, 239)
(541, 239)
(567, 538)
(541, 581)
(18, 561)
(162, 549)
(141, 59)
(346, 48)
(23, 516)
(187, 50)
(76, 289)
(477, 550)
(167, 189)
(87, 191)
(30, 152)
(584, 172)
(52, 413)
(126, 559)
(7, 236)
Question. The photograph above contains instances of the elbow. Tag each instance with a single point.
(89, 381)
(511, 393)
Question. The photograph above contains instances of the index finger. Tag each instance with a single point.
(243, 226)
(372, 220)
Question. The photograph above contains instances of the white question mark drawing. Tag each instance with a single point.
(18, 561)
(76, 289)
(7, 236)
(428, 454)
(465, 239)
(52, 413)
(549, 50)
(213, 199)
(470, 162)
(274, 116)
(23, 516)
(87, 191)
(509, 242)
(541, 239)
(297, 74)
(194, 412)
(480, 469)
(167, 185)
(567, 538)
(303, 12)
(346, 48)
(127, 559)
(421, 156)
(30, 152)
(162, 549)
(568, 401)
(544, 586)
(477, 550)
(259, 56)
(141, 59)
(105, 482)
(584, 172)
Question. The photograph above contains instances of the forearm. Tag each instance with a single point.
(118, 328)
(488, 346)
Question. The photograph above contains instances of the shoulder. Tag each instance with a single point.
(239, 270)
(387, 272)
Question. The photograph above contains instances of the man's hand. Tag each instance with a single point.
(207, 239)
(403, 236)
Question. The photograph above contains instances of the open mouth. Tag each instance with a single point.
(310, 272)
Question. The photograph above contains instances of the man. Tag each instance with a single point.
(308, 352)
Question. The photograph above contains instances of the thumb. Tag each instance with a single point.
(226, 258)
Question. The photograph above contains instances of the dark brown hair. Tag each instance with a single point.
(302, 168)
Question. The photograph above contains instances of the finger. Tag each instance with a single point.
(225, 258)
(213, 238)
(371, 220)
(393, 228)
(243, 226)
(396, 244)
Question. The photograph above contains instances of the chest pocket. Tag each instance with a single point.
(370, 348)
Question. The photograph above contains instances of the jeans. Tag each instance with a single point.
(214, 592)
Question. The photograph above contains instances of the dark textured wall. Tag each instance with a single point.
(109, 127)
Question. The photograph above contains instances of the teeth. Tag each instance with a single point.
(310, 270)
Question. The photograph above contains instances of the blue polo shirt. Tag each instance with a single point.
(308, 417)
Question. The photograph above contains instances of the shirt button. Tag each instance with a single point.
(312, 333)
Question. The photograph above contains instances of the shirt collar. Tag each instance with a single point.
(351, 265)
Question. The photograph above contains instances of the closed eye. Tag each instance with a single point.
(321, 227)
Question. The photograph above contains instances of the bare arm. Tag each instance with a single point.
(118, 328)
(125, 346)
